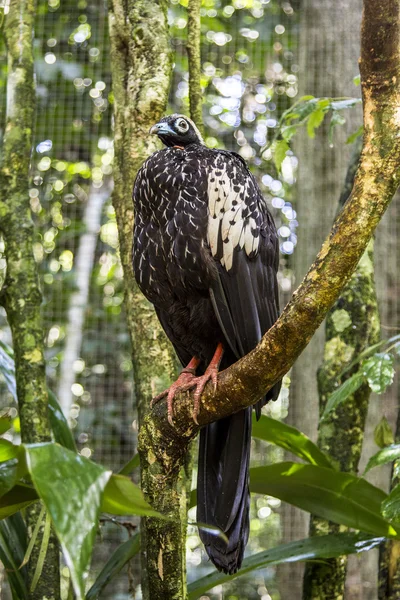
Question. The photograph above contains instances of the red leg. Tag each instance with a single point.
(187, 381)
(210, 374)
(183, 383)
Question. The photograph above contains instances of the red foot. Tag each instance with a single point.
(187, 380)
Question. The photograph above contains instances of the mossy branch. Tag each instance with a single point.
(376, 180)
(21, 294)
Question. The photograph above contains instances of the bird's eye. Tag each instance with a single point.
(182, 125)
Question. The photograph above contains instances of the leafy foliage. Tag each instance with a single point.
(384, 456)
(115, 563)
(290, 439)
(314, 548)
(377, 371)
(310, 112)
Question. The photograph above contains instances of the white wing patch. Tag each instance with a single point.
(226, 225)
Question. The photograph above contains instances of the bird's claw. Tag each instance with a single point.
(185, 382)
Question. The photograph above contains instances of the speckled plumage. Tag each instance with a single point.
(206, 255)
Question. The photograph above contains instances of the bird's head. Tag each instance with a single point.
(177, 130)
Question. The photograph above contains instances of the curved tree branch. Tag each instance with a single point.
(376, 181)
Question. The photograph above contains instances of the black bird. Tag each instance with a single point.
(206, 255)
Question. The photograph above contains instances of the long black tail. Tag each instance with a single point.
(223, 496)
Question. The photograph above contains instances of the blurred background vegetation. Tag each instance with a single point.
(254, 57)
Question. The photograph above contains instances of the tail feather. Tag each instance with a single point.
(223, 497)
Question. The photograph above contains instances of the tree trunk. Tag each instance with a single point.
(352, 326)
(20, 294)
(141, 66)
(328, 54)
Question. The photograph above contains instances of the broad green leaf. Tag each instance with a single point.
(391, 505)
(5, 422)
(336, 120)
(347, 388)
(8, 475)
(290, 439)
(315, 121)
(314, 548)
(113, 566)
(123, 497)
(338, 497)
(19, 497)
(281, 147)
(384, 456)
(13, 541)
(379, 371)
(71, 488)
(383, 435)
(7, 450)
(59, 424)
(133, 463)
(352, 138)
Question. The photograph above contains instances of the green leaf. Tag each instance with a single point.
(338, 497)
(288, 132)
(59, 424)
(352, 138)
(133, 463)
(346, 103)
(314, 548)
(19, 497)
(290, 439)
(5, 422)
(8, 475)
(315, 121)
(336, 119)
(368, 351)
(115, 563)
(7, 450)
(71, 488)
(281, 147)
(391, 505)
(384, 456)
(13, 539)
(379, 371)
(42, 553)
(341, 394)
(383, 435)
(123, 497)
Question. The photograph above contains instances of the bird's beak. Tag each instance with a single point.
(161, 129)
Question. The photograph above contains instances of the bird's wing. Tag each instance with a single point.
(244, 243)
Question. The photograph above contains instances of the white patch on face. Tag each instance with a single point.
(225, 222)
